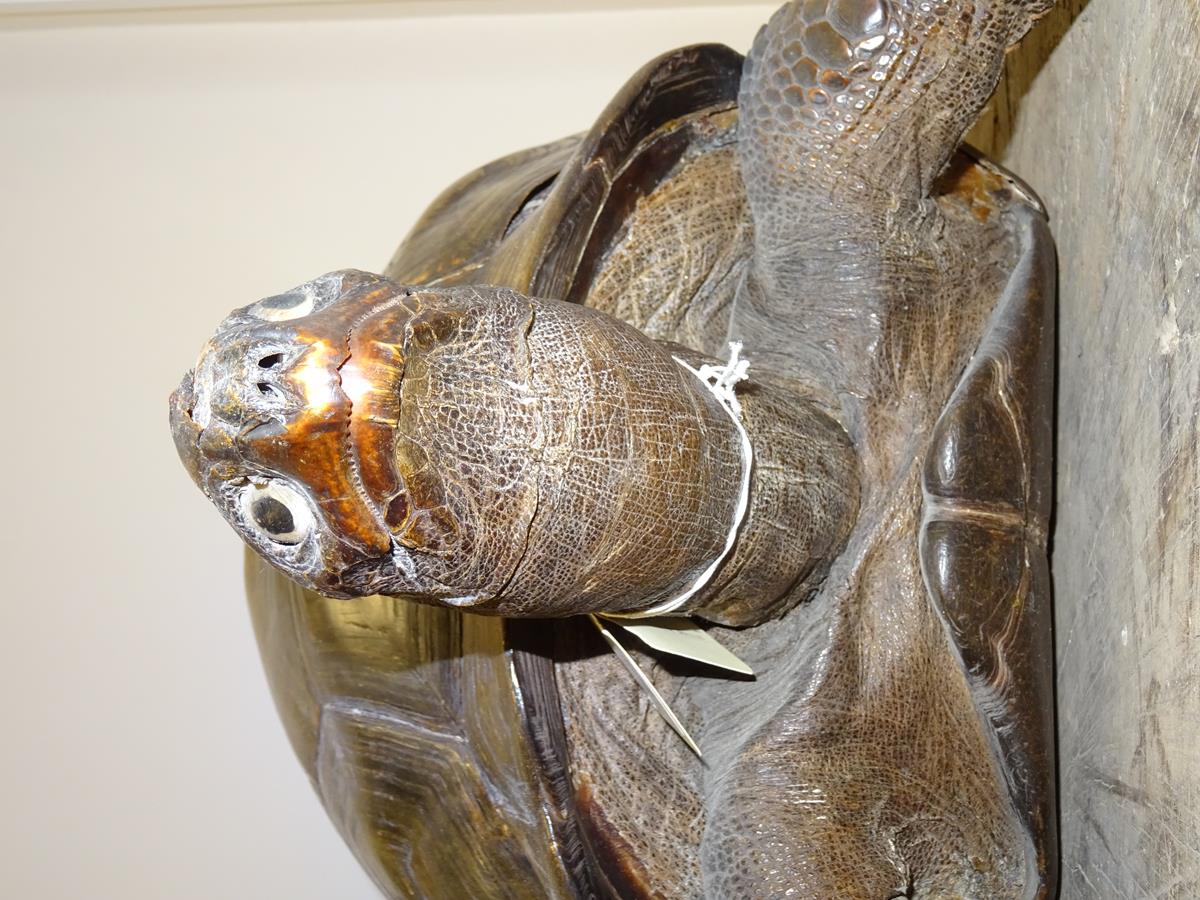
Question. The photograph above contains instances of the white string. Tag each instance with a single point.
(720, 381)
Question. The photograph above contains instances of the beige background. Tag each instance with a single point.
(156, 170)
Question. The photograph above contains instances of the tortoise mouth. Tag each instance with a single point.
(183, 396)
(184, 430)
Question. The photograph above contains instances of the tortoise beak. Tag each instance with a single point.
(184, 429)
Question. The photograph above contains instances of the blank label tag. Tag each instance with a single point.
(682, 637)
(643, 680)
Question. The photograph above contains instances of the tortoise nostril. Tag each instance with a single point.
(267, 389)
(270, 361)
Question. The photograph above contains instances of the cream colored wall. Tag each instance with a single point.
(155, 173)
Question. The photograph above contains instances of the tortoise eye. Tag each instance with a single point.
(284, 307)
(277, 512)
(299, 301)
(273, 517)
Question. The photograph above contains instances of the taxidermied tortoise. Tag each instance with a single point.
(439, 435)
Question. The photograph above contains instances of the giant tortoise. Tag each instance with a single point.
(520, 423)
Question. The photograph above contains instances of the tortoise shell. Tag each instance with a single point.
(468, 756)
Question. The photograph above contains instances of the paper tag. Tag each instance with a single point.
(682, 637)
(644, 682)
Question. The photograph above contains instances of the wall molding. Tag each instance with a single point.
(67, 13)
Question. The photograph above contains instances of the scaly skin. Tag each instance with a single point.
(849, 109)
(888, 780)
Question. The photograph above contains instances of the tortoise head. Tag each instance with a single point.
(264, 425)
(364, 437)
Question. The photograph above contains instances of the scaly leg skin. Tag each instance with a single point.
(880, 775)
(849, 109)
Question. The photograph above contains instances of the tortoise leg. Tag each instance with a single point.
(849, 110)
(846, 103)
